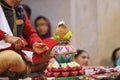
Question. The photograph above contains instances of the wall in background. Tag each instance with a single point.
(55, 10)
(108, 14)
(84, 23)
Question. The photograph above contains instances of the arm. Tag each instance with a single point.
(9, 39)
(33, 39)
(30, 33)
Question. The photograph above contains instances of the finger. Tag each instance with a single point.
(21, 42)
(18, 44)
(40, 50)
(41, 45)
(47, 48)
(17, 47)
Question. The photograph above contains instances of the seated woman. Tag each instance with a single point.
(115, 55)
(43, 27)
(82, 58)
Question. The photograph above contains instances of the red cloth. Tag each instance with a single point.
(1, 34)
(50, 43)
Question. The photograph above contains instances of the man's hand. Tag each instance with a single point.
(40, 48)
(16, 41)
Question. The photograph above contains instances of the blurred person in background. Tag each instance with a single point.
(82, 58)
(43, 27)
(115, 55)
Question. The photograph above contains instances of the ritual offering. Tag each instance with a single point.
(101, 73)
(63, 53)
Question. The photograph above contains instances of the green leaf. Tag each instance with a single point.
(57, 59)
(68, 35)
(62, 59)
(65, 58)
(70, 57)
(56, 37)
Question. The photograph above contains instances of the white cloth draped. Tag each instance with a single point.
(4, 27)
